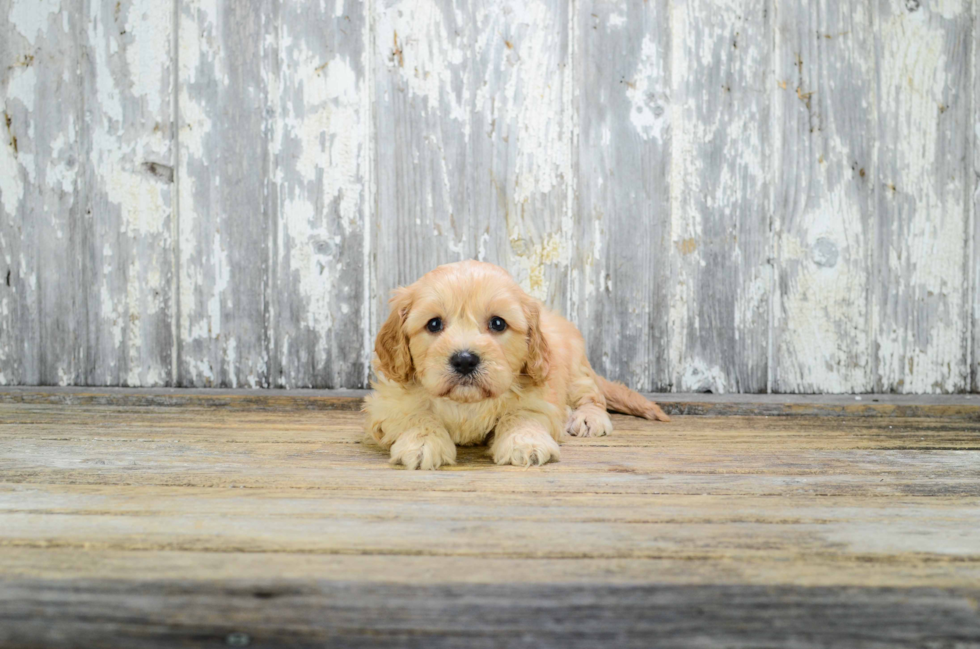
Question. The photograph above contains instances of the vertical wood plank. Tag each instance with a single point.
(473, 141)
(824, 187)
(720, 195)
(41, 235)
(227, 199)
(322, 153)
(974, 256)
(921, 307)
(126, 189)
(621, 257)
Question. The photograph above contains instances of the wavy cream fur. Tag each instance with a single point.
(534, 382)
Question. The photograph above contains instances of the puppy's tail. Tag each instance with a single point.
(621, 399)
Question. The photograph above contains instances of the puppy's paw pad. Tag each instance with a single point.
(589, 422)
(526, 450)
(423, 452)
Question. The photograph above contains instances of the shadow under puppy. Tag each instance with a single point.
(466, 353)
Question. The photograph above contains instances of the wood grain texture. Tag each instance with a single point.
(180, 526)
(726, 195)
(283, 614)
(87, 193)
(322, 158)
(720, 195)
(41, 236)
(473, 135)
(59, 563)
(701, 404)
(126, 188)
(620, 273)
(975, 205)
(825, 187)
(924, 171)
(227, 200)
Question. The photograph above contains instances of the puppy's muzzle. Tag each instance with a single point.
(464, 362)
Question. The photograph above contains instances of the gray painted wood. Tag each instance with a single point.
(647, 169)
(124, 224)
(974, 257)
(39, 159)
(20, 317)
(227, 204)
(322, 155)
(473, 141)
(720, 195)
(924, 172)
(87, 193)
(824, 196)
(620, 274)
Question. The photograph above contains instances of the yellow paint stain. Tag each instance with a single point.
(687, 246)
(396, 52)
(804, 96)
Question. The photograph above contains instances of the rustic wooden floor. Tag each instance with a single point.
(267, 523)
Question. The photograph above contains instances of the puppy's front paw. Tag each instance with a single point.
(531, 446)
(589, 421)
(423, 450)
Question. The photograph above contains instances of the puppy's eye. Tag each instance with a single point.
(497, 324)
(434, 325)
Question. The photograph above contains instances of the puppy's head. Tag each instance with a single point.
(465, 331)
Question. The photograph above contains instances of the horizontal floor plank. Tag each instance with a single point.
(316, 613)
(72, 564)
(234, 426)
(947, 534)
(820, 405)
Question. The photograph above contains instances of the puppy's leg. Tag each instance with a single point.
(589, 419)
(526, 439)
(428, 447)
(416, 439)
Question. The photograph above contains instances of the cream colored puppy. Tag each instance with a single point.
(466, 353)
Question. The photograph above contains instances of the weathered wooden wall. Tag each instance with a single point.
(725, 195)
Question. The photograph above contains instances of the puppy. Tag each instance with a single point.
(466, 353)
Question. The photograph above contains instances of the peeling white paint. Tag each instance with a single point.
(314, 271)
(497, 72)
(536, 96)
(199, 320)
(426, 54)
(221, 265)
(30, 17)
(949, 9)
(322, 195)
(149, 67)
(648, 113)
(719, 116)
(699, 376)
(11, 182)
(329, 134)
(923, 350)
(61, 172)
(22, 86)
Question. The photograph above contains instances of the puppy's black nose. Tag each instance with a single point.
(464, 362)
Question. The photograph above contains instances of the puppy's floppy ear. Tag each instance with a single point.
(391, 345)
(538, 355)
